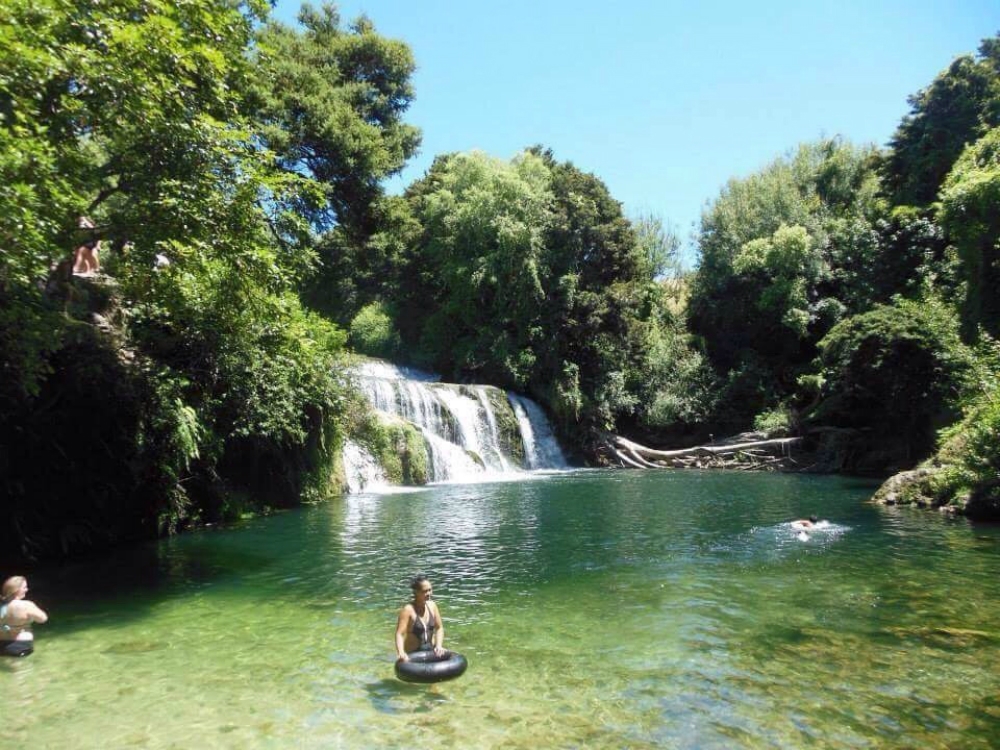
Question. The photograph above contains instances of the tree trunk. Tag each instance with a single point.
(753, 454)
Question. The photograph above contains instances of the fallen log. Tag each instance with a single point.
(706, 450)
(625, 459)
(745, 455)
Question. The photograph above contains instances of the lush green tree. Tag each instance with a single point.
(526, 274)
(141, 115)
(784, 256)
(659, 245)
(355, 272)
(913, 259)
(374, 333)
(120, 99)
(788, 268)
(675, 385)
(473, 307)
(970, 457)
(954, 111)
(602, 300)
(970, 212)
(331, 103)
(898, 372)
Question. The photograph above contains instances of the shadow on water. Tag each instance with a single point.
(389, 696)
(90, 592)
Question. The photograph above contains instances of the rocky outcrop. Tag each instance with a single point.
(915, 487)
(934, 487)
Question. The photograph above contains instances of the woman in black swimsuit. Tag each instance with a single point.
(419, 627)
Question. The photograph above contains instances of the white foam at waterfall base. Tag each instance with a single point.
(452, 463)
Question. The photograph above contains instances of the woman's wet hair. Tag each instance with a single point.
(417, 580)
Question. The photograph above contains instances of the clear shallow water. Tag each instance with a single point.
(596, 609)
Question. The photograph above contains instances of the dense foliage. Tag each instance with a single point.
(899, 372)
(527, 275)
(329, 103)
(970, 198)
(786, 254)
(848, 288)
(957, 108)
(181, 129)
(970, 454)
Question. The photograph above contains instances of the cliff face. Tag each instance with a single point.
(75, 461)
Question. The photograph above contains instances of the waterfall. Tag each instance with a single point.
(362, 470)
(540, 447)
(470, 432)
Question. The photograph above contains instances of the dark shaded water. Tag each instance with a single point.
(597, 609)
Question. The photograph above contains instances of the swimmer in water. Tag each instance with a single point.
(805, 523)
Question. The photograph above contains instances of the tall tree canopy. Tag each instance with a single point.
(961, 104)
(785, 254)
(970, 212)
(331, 102)
(897, 372)
(527, 274)
(479, 299)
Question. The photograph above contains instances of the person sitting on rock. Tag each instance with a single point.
(85, 256)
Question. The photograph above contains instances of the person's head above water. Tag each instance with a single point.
(421, 586)
(11, 588)
(813, 519)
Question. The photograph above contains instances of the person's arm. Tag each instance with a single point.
(33, 612)
(401, 625)
(439, 633)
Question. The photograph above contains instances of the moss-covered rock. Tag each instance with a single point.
(964, 475)
(398, 446)
(916, 487)
(941, 488)
(508, 429)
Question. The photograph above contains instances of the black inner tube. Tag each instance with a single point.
(16, 648)
(424, 666)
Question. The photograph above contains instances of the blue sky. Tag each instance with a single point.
(664, 100)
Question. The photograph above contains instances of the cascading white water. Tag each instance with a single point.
(459, 424)
(362, 470)
(541, 450)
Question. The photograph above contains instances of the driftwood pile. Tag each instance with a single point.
(773, 454)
